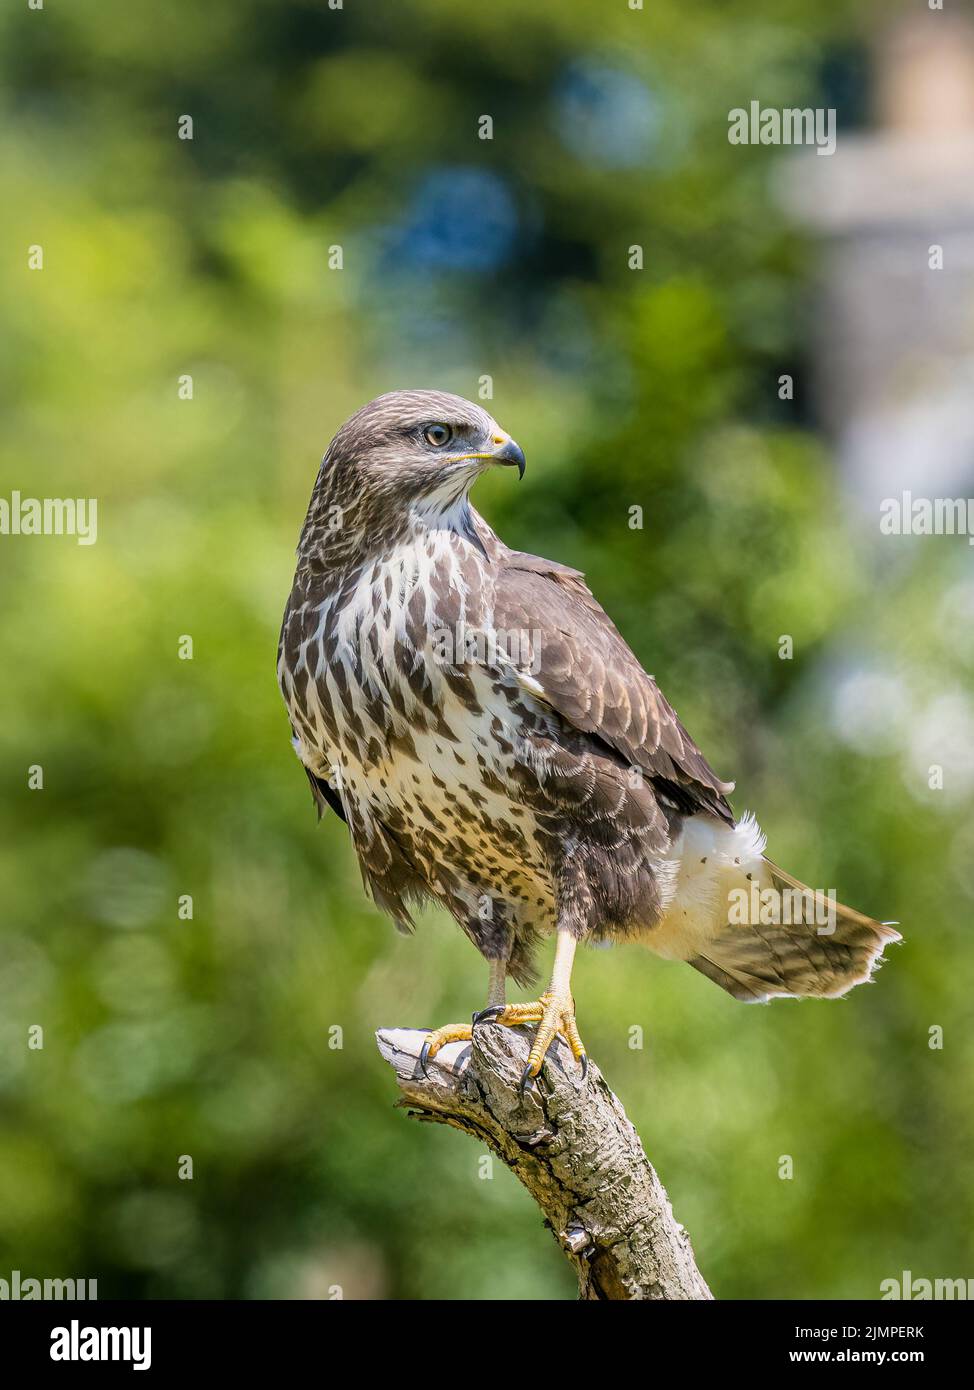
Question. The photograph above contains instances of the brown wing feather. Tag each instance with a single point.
(591, 677)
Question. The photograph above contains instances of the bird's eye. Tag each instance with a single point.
(438, 435)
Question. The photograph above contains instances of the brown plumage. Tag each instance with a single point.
(493, 743)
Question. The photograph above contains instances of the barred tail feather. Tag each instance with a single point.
(757, 962)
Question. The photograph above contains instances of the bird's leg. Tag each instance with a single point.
(462, 1032)
(554, 1012)
(497, 984)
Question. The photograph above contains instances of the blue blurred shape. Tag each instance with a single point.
(460, 218)
(606, 116)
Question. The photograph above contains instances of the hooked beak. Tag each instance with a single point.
(508, 453)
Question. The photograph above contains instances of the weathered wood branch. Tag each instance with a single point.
(572, 1146)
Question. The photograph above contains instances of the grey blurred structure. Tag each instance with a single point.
(894, 353)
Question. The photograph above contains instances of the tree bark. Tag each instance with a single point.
(572, 1146)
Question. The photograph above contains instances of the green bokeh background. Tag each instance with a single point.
(215, 1037)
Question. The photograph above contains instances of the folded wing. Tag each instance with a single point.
(579, 663)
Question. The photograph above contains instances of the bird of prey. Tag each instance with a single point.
(493, 744)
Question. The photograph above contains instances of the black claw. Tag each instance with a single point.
(485, 1015)
(424, 1057)
(584, 1062)
(527, 1077)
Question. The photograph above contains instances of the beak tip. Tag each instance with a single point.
(513, 455)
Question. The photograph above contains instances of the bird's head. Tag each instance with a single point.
(406, 454)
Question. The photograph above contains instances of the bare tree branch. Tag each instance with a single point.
(572, 1146)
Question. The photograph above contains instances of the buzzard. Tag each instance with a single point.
(493, 744)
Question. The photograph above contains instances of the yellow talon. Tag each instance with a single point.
(555, 1016)
(439, 1037)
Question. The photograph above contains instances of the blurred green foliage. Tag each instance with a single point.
(162, 777)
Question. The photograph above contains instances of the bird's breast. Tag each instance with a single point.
(408, 712)
(382, 658)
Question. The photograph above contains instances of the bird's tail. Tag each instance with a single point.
(791, 941)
